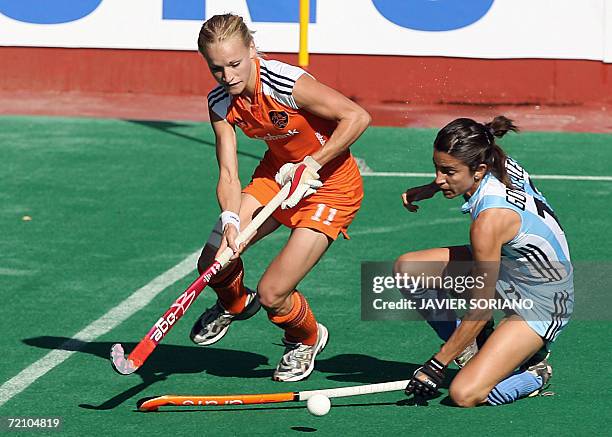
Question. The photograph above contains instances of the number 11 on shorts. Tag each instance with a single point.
(319, 213)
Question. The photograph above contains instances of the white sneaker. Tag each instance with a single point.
(213, 324)
(297, 362)
(542, 369)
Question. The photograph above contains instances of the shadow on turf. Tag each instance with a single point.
(237, 408)
(165, 361)
(365, 369)
(166, 126)
(171, 359)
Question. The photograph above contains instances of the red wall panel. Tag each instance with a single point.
(364, 78)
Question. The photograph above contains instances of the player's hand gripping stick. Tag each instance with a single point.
(126, 365)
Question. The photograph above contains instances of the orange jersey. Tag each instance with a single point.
(291, 133)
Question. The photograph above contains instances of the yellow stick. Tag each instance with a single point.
(304, 20)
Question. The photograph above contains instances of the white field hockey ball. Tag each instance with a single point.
(318, 405)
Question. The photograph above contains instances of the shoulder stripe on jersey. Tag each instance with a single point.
(215, 93)
(217, 100)
(263, 67)
(550, 268)
(216, 96)
(276, 81)
(288, 93)
(214, 100)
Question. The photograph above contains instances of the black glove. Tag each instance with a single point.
(426, 379)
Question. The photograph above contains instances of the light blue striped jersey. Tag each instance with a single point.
(540, 242)
(535, 264)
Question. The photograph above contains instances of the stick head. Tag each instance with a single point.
(121, 364)
(147, 404)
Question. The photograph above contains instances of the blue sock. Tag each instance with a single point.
(514, 387)
(443, 321)
(444, 329)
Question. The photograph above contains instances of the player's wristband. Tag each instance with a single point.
(310, 162)
(435, 365)
(231, 218)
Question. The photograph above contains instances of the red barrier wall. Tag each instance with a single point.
(422, 80)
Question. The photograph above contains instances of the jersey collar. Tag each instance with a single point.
(470, 201)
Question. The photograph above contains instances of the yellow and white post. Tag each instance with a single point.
(304, 21)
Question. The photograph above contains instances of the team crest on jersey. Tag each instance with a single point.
(279, 119)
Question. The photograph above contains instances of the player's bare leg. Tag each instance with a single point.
(436, 262)
(302, 251)
(511, 344)
(235, 301)
(439, 254)
(287, 308)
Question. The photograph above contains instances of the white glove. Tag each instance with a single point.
(304, 180)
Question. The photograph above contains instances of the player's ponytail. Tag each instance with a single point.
(497, 128)
(474, 143)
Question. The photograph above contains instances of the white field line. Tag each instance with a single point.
(535, 177)
(114, 317)
(407, 225)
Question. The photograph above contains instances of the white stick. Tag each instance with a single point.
(355, 390)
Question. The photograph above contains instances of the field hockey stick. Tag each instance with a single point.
(153, 403)
(126, 365)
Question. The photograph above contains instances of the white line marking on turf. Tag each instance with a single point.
(407, 225)
(558, 177)
(113, 318)
(6, 271)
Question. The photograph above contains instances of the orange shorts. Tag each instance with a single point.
(330, 210)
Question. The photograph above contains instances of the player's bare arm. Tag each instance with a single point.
(488, 233)
(228, 186)
(328, 103)
(416, 194)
